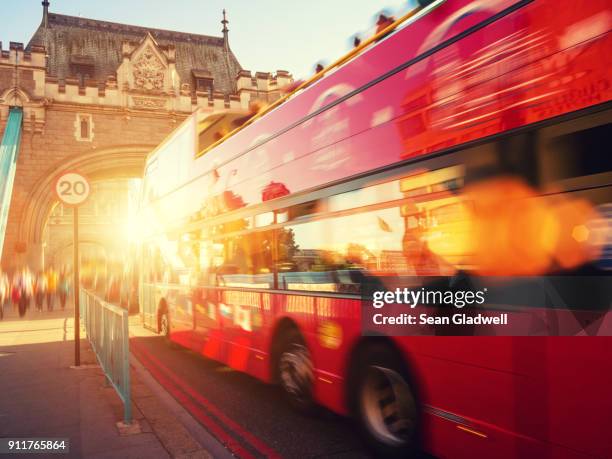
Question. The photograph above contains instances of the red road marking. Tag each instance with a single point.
(236, 428)
(194, 409)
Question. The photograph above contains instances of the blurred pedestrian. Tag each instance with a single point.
(51, 287)
(15, 291)
(40, 290)
(63, 287)
(4, 292)
(24, 286)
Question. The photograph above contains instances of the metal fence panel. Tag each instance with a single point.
(107, 329)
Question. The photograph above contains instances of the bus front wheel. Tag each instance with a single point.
(295, 372)
(384, 404)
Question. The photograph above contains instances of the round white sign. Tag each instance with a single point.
(72, 188)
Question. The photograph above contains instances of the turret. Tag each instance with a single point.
(225, 30)
(45, 4)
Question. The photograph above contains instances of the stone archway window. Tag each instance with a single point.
(83, 127)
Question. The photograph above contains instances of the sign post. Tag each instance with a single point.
(73, 189)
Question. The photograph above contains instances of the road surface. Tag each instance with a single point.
(249, 417)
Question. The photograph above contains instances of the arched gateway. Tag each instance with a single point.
(97, 97)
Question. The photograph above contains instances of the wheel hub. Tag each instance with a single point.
(296, 372)
(388, 406)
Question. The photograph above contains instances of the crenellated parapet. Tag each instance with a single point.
(22, 83)
(24, 69)
(262, 81)
(263, 86)
(146, 78)
(87, 91)
(16, 53)
(109, 94)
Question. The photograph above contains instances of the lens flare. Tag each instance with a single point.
(576, 244)
(504, 227)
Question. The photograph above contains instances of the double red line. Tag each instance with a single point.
(232, 435)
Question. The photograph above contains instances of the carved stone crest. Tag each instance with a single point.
(149, 71)
(148, 102)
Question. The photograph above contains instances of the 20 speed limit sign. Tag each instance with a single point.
(72, 188)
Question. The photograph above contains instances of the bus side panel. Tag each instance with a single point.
(406, 44)
(516, 71)
(516, 392)
(243, 321)
(579, 366)
(337, 328)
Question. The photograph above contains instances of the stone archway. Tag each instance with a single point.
(15, 97)
(108, 163)
(66, 248)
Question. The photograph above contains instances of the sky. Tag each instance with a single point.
(265, 35)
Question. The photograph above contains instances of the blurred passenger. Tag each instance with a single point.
(292, 86)
(383, 22)
(254, 108)
(40, 290)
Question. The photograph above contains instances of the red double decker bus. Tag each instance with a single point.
(255, 248)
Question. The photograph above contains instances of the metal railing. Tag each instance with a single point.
(108, 332)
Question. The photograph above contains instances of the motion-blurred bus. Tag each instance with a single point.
(469, 138)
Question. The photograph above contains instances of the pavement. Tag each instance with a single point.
(184, 406)
(42, 396)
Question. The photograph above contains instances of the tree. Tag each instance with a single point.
(287, 247)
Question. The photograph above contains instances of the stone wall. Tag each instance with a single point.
(44, 155)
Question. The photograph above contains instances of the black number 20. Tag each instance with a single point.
(67, 188)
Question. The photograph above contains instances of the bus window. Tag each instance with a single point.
(264, 219)
(333, 254)
(211, 258)
(156, 264)
(369, 195)
(189, 256)
(548, 156)
(248, 261)
(513, 155)
(236, 225)
(189, 251)
(305, 209)
(583, 152)
(568, 153)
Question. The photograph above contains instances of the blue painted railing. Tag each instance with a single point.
(9, 150)
(108, 333)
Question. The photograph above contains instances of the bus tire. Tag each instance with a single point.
(383, 402)
(295, 372)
